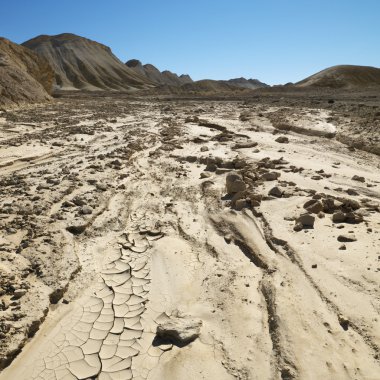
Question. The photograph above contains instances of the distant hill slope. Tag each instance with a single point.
(80, 63)
(199, 88)
(156, 76)
(252, 84)
(344, 76)
(24, 76)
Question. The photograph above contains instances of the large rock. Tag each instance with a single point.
(234, 183)
(180, 330)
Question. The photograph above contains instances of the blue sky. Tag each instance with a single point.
(276, 41)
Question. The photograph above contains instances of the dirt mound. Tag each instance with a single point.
(344, 76)
(80, 63)
(24, 77)
(153, 74)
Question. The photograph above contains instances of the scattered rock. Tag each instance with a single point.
(270, 176)
(313, 206)
(180, 331)
(358, 178)
(275, 192)
(234, 183)
(282, 140)
(306, 221)
(339, 217)
(86, 210)
(18, 293)
(347, 238)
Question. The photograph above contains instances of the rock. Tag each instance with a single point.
(18, 293)
(101, 186)
(275, 192)
(204, 149)
(353, 218)
(306, 220)
(240, 204)
(357, 178)
(179, 330)
(270, 176)
(245, 145)
(282, 140)
(313, 206)
(77, 228)
(86, 210)
(342, 247)
(339, 217)
(234, 183)
(347, 238)
(205, 175)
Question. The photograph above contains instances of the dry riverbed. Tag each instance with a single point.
(186, 240)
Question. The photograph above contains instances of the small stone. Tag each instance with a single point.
(339, 217)
(18, 293)
(314, 266)
(282, 140)
(358, 178)
(234, 183)
(347, 238)
(86, 210)
(313, 206)
(342, 247)
(275, 192)
(204, 149)
(270, 176)
(306, 220)
(205, 175)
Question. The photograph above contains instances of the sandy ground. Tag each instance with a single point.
(116, 219)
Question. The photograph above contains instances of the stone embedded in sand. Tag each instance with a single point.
(18, 293)
(313, 206)
(234, 183)
(306, 220)
(180, 330)
(282, 140)
(86, 210)
(275, 192)
(353, 218)
(347, 238)
(270, 176)
(204, 149)
(339, 217)
(358, 178)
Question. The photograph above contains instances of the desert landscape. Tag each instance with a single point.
(156, 227)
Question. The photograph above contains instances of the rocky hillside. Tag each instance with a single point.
(24, 77)
(161, 78)
(344, 76)
(80, 63)
(251, 84)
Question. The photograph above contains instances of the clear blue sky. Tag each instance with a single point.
(276, 41)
